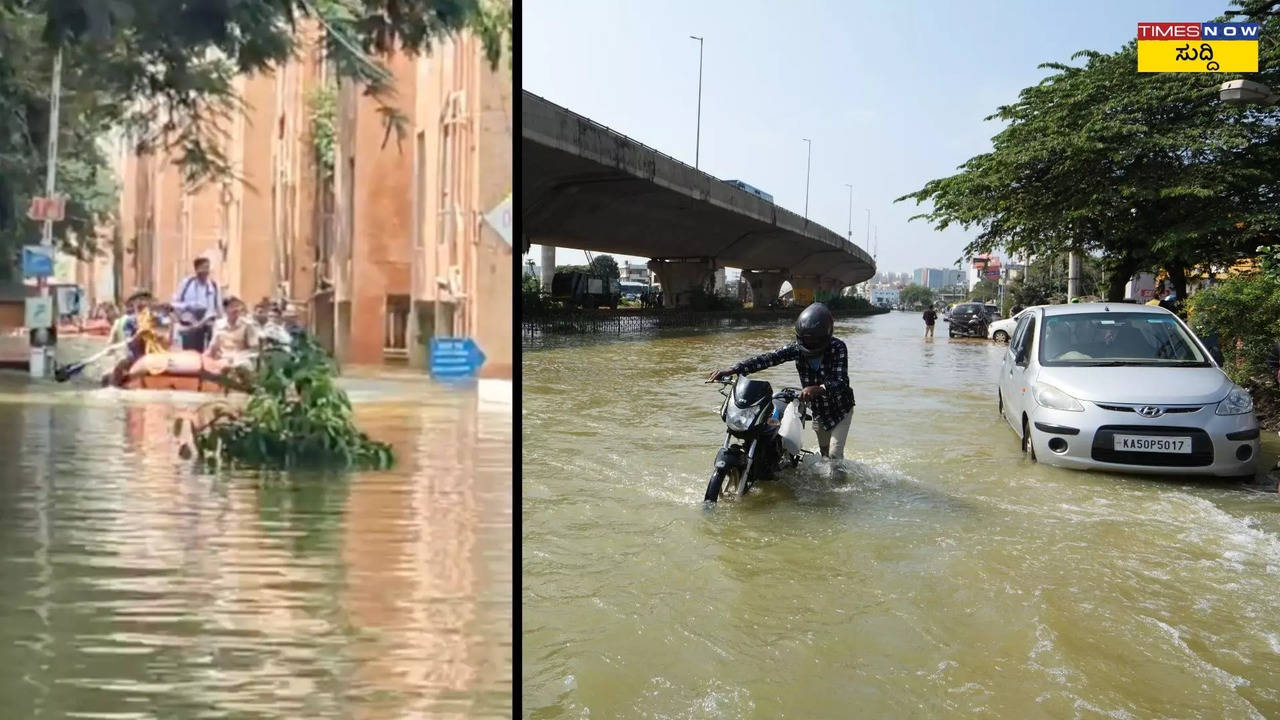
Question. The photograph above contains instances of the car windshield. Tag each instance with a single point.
(1117, 338)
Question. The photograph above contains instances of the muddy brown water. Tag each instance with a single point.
(133, 587)
(948, 577)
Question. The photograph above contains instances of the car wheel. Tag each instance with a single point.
(1027, 446)
(1000, 336)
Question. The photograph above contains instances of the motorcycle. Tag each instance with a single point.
(763, 430)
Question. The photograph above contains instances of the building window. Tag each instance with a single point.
(395, 342)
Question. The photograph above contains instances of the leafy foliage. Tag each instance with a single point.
(1244, 313)
(323, 105)
(1145, 170)
(984, 290)
(606, 266)
(296, 417)
(916, 295)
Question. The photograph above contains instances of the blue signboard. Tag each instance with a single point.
(454, 358)
(37, 260)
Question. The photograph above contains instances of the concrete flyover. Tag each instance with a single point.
(585, 186)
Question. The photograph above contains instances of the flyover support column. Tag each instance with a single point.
(548, 266)
(804, 288)
(764, 285)
(683, 279)
(829, 288)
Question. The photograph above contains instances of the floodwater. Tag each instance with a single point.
(948, 577)
(133, 587)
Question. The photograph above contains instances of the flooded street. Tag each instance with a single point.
(947, 577)
(133, 587)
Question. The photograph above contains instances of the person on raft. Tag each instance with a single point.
(235, 336)
(274, 329)
(198, 302)
(148, 328)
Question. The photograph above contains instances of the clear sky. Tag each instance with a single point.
(892, 93)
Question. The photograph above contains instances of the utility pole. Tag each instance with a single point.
(40, 354)
(850, 211)
(807, 165)
(697, 147)
(868, 241)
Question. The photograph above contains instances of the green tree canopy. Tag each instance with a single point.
(1145, 170)
(915, 295)
(605, 265)
(985, 290)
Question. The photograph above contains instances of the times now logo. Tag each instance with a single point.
(1197, 31)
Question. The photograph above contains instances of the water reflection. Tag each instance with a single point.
(132, 587)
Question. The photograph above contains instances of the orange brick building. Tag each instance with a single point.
(389, 249)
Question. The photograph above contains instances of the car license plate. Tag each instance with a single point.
(1143, 443)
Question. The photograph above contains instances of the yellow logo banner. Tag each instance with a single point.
(1234, 56)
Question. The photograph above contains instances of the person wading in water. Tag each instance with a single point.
(823, 363)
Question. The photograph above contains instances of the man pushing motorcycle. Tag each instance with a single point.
(823, 363)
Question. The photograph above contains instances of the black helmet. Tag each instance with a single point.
(814, 329)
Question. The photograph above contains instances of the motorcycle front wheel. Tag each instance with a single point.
(722, 479)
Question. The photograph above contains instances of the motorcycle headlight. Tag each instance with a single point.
(1237, 402)
(1048, 396)
(739, 419)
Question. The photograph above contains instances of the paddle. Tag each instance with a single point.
(67, 372)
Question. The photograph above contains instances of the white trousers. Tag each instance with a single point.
(831, 442)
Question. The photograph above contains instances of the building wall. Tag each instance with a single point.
(403, 214)
(252, 226)
(419, 233)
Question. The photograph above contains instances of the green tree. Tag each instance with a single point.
(985, 290)
(1144, 170)
(605, 265)
(915, 296)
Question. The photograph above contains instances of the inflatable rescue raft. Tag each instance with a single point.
(179, 370)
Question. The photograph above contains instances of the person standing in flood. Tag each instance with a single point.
(930, 317)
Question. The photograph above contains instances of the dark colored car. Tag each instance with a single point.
(969, 320)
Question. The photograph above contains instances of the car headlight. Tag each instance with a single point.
(739, 419)
(1048, 396)
(1237, 402)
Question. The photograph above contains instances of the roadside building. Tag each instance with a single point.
(379, 245)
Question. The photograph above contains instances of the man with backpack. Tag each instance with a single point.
(930, 317)
(198, 303)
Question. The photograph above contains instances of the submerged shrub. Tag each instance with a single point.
(295, 417)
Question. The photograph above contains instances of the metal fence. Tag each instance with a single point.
(572, 322)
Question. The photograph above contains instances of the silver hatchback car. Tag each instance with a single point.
(1121, 387)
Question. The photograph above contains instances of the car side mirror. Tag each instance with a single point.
(1020, 356)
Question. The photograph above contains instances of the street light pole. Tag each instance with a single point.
(868, 240)
(850, 211)
(40, 355)
(807, 165)
(697, 147)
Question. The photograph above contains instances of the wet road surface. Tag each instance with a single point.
(948, 577)
(133, 587)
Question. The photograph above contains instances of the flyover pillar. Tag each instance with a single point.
(829, 288)
(683, 279)
(719, 289)
(548, 266)
(764, 285)
(804, 288)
